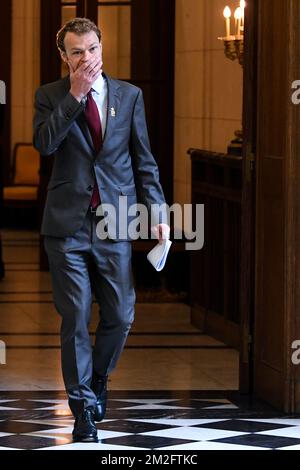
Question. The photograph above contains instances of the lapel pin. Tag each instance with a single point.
(113, 112)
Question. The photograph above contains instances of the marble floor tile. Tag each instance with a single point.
(260, 428)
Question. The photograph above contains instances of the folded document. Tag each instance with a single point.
(158, 255)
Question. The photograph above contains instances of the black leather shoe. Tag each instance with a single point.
(84, 427)
(99, 387)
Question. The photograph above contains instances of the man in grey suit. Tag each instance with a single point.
(95, 127)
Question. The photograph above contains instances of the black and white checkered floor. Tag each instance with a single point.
(149, 420)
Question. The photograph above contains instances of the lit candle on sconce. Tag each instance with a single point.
(227, 16)
(234, 40)
(238, 18)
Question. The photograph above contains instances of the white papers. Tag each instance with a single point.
(158, 255)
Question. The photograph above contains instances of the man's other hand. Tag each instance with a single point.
(161, 232)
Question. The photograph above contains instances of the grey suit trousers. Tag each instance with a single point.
(81, 265)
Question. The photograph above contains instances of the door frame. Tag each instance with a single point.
(246, 370)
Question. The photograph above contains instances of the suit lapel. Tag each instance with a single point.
(81, 121)
(113, 105)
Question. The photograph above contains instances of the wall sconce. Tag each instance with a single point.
(234, 43)
(234, 49)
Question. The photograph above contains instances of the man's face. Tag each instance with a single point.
(81, 48)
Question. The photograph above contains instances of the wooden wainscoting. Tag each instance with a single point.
(215, 270)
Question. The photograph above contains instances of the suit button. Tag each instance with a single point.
(89, 188)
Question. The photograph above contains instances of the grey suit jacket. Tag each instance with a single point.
(123, 167)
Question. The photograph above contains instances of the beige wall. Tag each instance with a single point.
(25, 67)
(208, 87)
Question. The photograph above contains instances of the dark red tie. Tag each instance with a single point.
(94, 122)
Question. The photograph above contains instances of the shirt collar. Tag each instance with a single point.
(98, 85)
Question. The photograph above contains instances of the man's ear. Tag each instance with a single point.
(63, 55)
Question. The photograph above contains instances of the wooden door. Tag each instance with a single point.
(277, 274)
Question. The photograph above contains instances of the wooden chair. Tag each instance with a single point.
(23, 190)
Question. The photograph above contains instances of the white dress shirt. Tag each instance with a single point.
(99, 93)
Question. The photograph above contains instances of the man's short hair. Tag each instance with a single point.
(78, 26)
